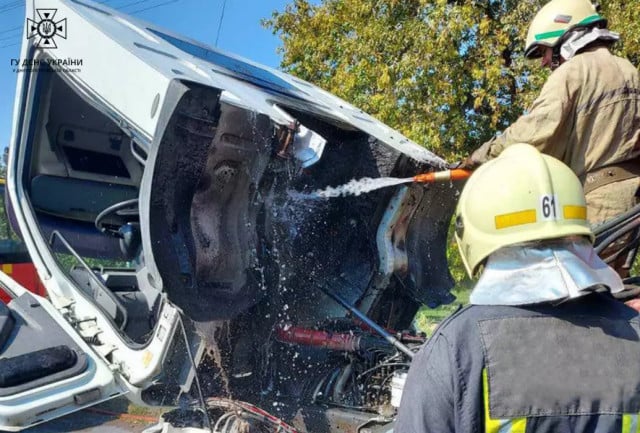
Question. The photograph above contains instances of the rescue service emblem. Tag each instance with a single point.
(46, 29)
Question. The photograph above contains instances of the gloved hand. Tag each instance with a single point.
(468, 163)
(633, 303)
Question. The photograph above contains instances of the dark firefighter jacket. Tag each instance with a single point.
(574, 367)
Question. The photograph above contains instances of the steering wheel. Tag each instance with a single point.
(115, 216)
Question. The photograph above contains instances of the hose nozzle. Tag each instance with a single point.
(442, 176)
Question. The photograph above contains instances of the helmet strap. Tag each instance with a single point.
(555, 58)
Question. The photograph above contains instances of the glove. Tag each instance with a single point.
(468, 163)
(633, 303)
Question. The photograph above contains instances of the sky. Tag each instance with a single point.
(240, 32)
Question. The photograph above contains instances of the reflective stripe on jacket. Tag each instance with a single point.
(571, 367)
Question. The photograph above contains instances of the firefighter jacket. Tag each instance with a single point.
(587, 114)
(572, 367)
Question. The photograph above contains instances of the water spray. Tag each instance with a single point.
(368, 184)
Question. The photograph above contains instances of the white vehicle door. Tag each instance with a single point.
(77, 155)
(46, 369)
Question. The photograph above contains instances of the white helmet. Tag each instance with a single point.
(521, 196)
(555, 19)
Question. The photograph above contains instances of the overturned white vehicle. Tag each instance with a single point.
(156, 187)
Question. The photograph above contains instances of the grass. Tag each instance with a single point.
(428, 318)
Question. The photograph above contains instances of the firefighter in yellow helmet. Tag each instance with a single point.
(588, 112)
(543, 347)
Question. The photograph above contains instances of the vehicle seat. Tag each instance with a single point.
(77, 199)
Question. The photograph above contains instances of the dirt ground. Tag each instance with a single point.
(116, 416)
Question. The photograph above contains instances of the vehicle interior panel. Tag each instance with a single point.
(78, 199)
(80, 165)
(85, 238)
(86, 143)
(6, 324)
(33, 359)
(133, 311)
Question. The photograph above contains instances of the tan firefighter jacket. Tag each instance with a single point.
(587, 114)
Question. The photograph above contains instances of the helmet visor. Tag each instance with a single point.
(534, 51)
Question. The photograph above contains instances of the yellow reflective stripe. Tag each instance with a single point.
(514, 425)
(515, 218)
(490, 425)
(575, 212)
(519, 425)
(630, 423)
(7, 268)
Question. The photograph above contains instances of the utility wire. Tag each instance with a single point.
(152, 7)
(120, 6)
(224, 3)
(12, 29)
(9, 37)
(11, 4)
(157, 5)
(133, 3)
(10, 7)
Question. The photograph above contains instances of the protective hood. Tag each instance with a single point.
(545, 272)
(580, 39)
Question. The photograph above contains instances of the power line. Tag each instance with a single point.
(119, 6)
(157, 5)
(152, 7)
(224, 3)
(133, 3)
(10, 45)
(11, 6)
(13, 29)
(9, 37)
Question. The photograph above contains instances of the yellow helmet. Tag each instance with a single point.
(521, 196)
(555, 19)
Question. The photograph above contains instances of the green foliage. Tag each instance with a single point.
(5, 229)
(624, 18)
(446, 73)
(67, 261)
(427, 318)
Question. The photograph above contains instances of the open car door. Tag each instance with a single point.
(46, 369)
(77, 154)
(165, 193)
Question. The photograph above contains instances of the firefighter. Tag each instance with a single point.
(543, 347)
(588, 112)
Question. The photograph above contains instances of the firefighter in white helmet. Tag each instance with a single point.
(588, 112)
(543, 347)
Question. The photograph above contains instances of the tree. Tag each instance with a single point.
(446, 73)
(5, 228)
